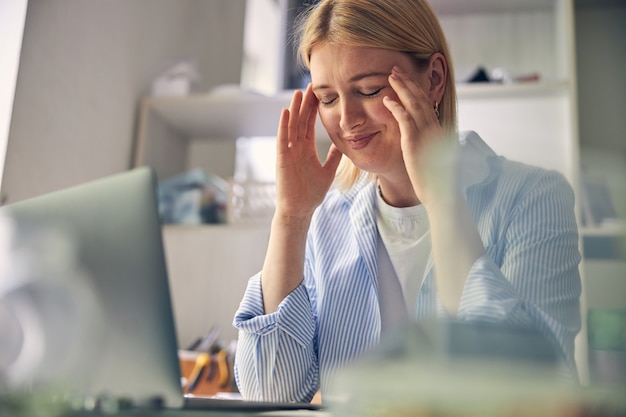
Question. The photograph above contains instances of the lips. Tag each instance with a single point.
(360, 141)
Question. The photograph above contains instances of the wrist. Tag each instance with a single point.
(291, 221)
(444, 202)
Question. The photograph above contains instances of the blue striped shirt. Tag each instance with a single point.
(528, 276)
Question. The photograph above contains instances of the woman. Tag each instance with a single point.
(422, 222)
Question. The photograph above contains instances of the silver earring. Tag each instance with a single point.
(436, 110)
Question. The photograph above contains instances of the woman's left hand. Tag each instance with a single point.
(427, 156)
(431, 163)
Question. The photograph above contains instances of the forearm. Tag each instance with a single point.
(283, 268)
(552, 306)
(529, 275)
(456, 246)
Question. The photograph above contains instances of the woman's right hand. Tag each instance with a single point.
(302, 181)
(301, 185)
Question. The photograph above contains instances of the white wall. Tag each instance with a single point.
(12, 15)
(85, 65)
(263, 53)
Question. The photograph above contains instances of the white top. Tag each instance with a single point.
(403, 250)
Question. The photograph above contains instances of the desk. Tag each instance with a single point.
(52, 411)
(198, 413)
(24, 405)
(25, 408)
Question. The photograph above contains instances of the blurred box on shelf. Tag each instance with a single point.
(192, 198)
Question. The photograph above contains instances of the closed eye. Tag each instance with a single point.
(372, 94)
(326, 101)
(329, 100)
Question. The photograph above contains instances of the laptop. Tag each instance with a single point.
(115, 225)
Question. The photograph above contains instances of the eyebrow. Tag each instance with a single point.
(357, 77)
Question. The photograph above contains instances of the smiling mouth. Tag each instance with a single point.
(361, 141)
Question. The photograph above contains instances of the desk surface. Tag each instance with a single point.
(24, 405)
(197, 413)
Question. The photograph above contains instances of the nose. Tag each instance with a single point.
(352, 115)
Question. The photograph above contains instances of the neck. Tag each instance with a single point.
(398, 193)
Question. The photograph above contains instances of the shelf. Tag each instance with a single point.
(226, 113)
(495, 90)
(241, 114)
(617, 230)
(605, 242)
(459, 7)
(260, 226)
(597, 4)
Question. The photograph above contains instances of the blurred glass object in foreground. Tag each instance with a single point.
(50, 319)
(449, 368)
(607, 346)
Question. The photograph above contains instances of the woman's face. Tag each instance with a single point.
(350, 83)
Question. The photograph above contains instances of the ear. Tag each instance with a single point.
(437, 75)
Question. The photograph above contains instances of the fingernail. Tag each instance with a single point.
(397, 69)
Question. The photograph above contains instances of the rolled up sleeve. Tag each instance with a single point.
(276, 359)
(535, 280)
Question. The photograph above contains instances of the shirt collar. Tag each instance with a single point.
(477, 161)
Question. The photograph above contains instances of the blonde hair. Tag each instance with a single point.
(408, 26)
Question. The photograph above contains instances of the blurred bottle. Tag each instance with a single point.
(50, 318)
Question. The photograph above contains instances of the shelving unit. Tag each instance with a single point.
(601, 65)
(518, 37)
(534, 122)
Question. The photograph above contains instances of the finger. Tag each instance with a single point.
(413, 97)
(282, 139)
(294, 112)
(407, 82)
(309, 113)
(405, 120)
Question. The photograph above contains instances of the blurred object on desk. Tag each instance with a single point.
(207, 366)
(41, 404)
(50, 317)
(451, 368)
(215, 375)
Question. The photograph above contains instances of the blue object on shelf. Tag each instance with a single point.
(193, 197)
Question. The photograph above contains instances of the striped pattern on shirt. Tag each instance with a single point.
(528, 276)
